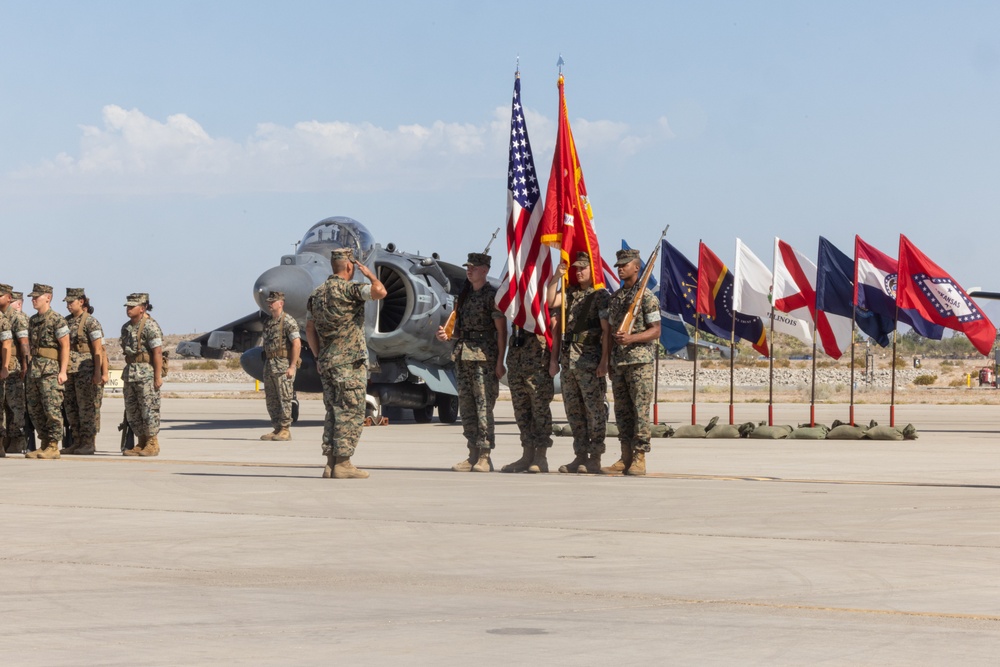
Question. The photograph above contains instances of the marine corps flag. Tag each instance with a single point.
(568, 221)
(926, 290)
(529, 266)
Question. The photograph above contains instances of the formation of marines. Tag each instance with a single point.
(50, 364)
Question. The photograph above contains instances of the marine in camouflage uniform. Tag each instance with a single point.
(282, 345)
(13, 403)
(335, 329)
(480, 331)
(531, 392)
(142, 344)
(632, 358)
(87, 374)
(5, 351)
(584, 350)
(49, 339)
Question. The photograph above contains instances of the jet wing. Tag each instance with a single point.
(237, 336)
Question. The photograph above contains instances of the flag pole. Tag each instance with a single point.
(732, 365)
(812, 396)
(694, 382)
(854, 319)
(770, 380)
(656, 385)
(892, 384)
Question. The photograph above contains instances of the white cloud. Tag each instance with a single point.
(131, 153)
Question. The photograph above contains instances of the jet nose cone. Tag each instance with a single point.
(295, 282)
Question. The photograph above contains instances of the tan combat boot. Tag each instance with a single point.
(50, 450)
(592, 465)
(137, 450)
(152, 447)
(638, 465)
(466, 465)
(331, 461)
(575, 464)
(344, 469)
(270, 436)
(283, 434)
(622, 464)
(483, 463)
(520, 465)
(85, 447)
(540, 463)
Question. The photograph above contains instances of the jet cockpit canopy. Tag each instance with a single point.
(338, 232)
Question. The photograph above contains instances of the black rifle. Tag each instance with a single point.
(128, 435)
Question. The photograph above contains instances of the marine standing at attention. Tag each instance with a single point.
(335, 331)
(49, 338)
(5, 351)
(632, 365)
(585, 348)
(88, 371)
(481, 332)
(13, 405)
(531, 390)
(142, 345)
(282, 346)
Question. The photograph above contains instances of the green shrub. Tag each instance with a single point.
(925, 379)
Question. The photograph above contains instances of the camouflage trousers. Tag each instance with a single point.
(44, 398)
(142, 407)
(278, 394)
(13, 406)
(584, 398)
(344, 390)
(632, 386)
(478, 388)
(82, 403)
(531, 392)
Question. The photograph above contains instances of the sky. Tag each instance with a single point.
(181, 148)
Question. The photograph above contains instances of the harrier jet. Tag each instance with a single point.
(410, 368)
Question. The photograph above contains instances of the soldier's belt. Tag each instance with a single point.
(46, 353)
(282, 354)
(477, 335)
(137, 358)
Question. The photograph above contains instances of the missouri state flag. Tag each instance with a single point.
(926, 290)
(715, 301)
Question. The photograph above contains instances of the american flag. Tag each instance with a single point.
(529, 264)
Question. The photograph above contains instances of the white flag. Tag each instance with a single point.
(753, 291)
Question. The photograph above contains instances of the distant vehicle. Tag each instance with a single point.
(410, 368)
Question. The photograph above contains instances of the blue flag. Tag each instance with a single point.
(679, 290)
(835, 292)
(673, 334)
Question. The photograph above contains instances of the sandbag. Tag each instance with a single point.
(660, 431)
(884, 433)
(846, 432)
(818, 432)
(910, 432)
(724, 431)
(612, 430)
(690, 431)
(771, 432)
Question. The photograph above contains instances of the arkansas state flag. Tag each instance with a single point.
(926, 290)
(876, 276)
(715, 301)
(568, 220)
(521, 294)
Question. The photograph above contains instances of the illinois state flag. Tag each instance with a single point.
(715, 301)
(926, 290)
(753, 290)
(568, 220)
(529, 265)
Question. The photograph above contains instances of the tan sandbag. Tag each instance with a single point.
(846, 432)
(910, 432)
(724, 431)
(771, 432)
(817, 432)
(690, 431)
(660, 431)
(612, 430)
(884, 433)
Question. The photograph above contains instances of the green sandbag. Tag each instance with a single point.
(660, 431)
(771, 432)
(690, 431)
(846, 432)
(884, 433)
(910, 432)
(817, 432)
(724, 431)
(612, 430)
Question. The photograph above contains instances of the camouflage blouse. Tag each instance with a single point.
(44, 331)
(79, 341)
(5, 334)
(582, 338)
(19, 331)
(152, 337)
(337, 310)
(636, 353)
(278, 337)
(475, 328)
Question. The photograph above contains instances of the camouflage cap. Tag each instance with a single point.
(582, 260)
(74, 293)
(6, 289)
(275, 296)
(137, 299)
(478, 259)
(40, 289)
(17, 296)
(343, 253)
(626, 256)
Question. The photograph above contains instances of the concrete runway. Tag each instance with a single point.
(229, 550)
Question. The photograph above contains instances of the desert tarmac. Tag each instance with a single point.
(229, 550)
